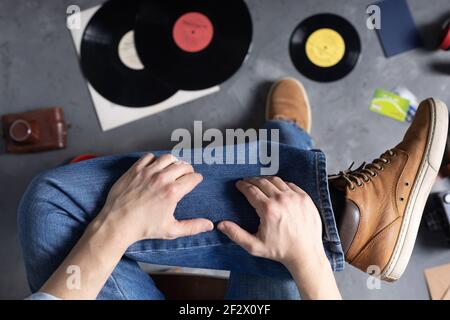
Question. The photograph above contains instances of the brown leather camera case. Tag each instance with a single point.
(33, 131)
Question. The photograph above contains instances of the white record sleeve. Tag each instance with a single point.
(111, 115)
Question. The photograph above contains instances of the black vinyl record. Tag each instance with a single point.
(325, 47)
(193, 44)
(105, 69)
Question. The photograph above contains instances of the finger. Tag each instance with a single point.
(185, 184)
(176, 170)
(295, 188)
(191, 227)
(264, 185)
(253, 194)
(144, 161)
(161, 162)
(246, 240)
(279, 183)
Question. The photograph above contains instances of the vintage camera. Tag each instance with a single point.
(34, 131)
(437, 213)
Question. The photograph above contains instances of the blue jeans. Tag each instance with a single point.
(60, 203)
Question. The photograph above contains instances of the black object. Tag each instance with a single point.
(343, 66)
(193, 44)
(437, 213)
(103, 67)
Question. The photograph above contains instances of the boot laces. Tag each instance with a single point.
(365, 172)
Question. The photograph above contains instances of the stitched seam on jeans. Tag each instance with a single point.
(181, 248)
(117, 286)
(325, 199)
(333, 245)
(324, 220)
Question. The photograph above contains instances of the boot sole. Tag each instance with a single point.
(305, 95)
(428, 170)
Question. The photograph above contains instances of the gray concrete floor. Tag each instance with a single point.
(38, 68)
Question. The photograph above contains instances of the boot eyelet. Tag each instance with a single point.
(401, 198)
(353, 189)
(388, 161)
(360, 184)
(367, 181)
(407, 184)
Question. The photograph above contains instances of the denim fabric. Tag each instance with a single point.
(60, 203)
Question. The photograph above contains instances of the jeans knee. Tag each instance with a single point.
(32, 225)
(37, 193)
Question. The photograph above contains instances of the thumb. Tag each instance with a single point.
(184, 228)
(246, 240)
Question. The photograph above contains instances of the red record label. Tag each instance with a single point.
(193, 32)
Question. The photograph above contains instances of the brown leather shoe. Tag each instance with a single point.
(385, 199)
(287, 100)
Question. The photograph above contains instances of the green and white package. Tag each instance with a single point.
(389, 104)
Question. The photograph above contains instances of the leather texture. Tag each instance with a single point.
(348, 225)
(48, 130)
(381, 201)
(287, 100)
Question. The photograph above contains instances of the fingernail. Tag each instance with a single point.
(208, 227)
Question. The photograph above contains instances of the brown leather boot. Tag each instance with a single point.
(385, 199)
(287, 100)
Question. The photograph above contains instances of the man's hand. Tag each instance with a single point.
(139, 206)
(290, 232)
(290, 228)
(142, 202)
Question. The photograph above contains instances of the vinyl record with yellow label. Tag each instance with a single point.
(325, 47)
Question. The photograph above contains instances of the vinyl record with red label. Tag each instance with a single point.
(110, 62)
(193, 44)
(325, 47)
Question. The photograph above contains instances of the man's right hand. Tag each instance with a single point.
(290, 228)
(290, 232)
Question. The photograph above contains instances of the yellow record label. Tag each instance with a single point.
(325, 48)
